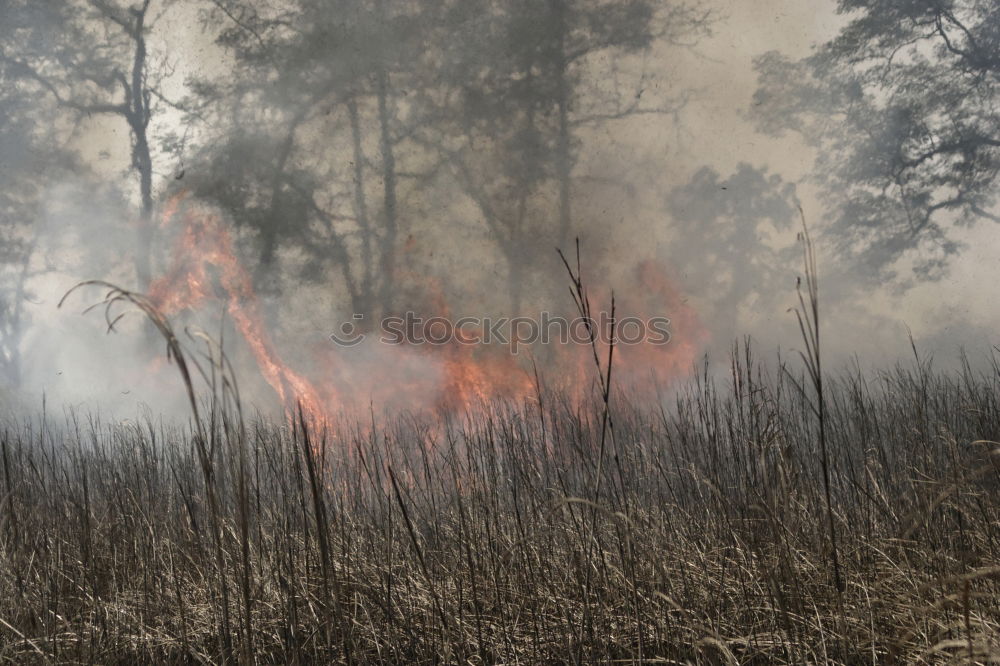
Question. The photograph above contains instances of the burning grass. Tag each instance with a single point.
(204, 272)
(775, 517)
(505, 535)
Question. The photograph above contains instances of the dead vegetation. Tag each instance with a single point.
(774, 516)
(486, 540)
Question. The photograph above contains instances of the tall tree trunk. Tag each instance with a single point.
(144, 241)
(517, 246)
(138, 115)
(564, 158)
(515, 283)
(388, 258)
(361, 213)
(15, 331)
(269, 232)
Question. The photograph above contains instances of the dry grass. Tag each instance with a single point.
(484, 539)
(786, 517)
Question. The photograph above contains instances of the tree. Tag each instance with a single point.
(732, 226)
(33, 159)
(412, 98)
(319, 69)
(91, 58)
(19, 187)
(521, 81)
(903, 106)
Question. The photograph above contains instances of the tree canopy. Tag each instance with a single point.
(903, 106)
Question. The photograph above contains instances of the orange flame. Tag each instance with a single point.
(204, 266)
(205, 242)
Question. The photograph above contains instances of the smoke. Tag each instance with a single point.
(472, 224)
(68, 358)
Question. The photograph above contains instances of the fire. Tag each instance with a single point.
(203, 243)
(474, 375)
(204, 267)
(655, 294)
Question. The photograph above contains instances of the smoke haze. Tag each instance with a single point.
(376, 158)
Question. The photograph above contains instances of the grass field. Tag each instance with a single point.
(542, 532)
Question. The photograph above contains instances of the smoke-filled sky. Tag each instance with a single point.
(695, 188)
(957, 310)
